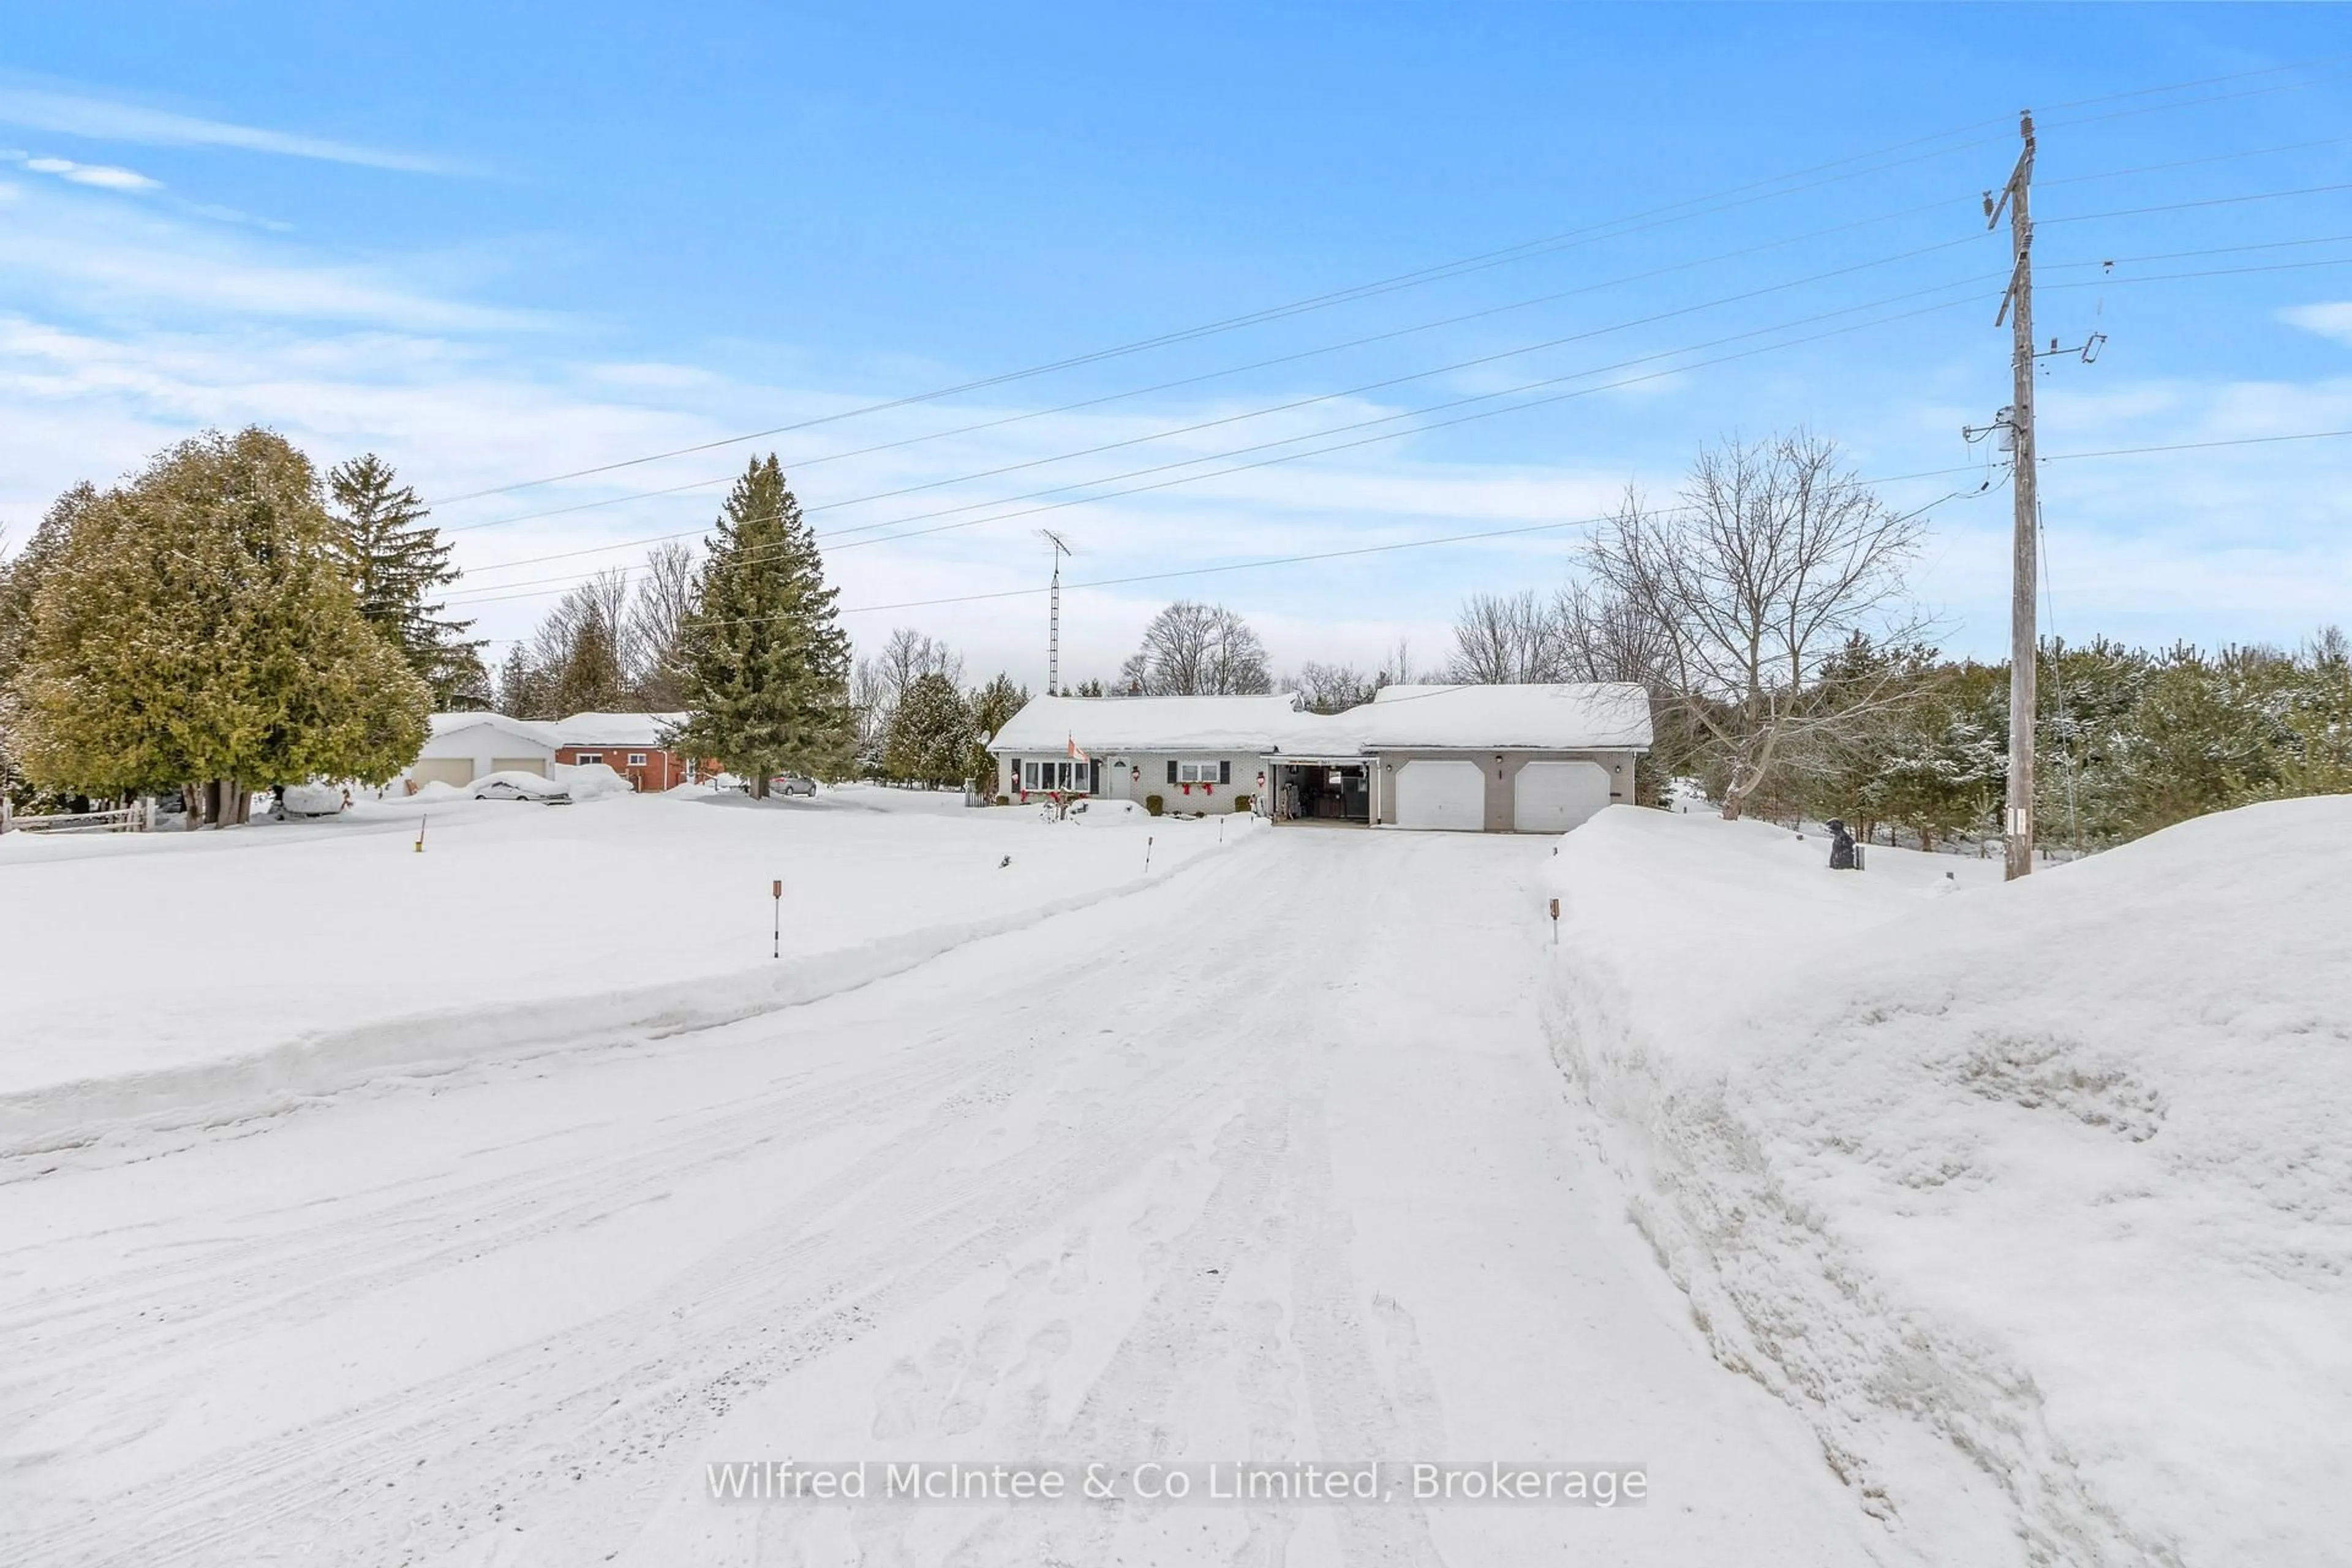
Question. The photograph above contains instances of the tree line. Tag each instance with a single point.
(1766, 611)
(222, 620)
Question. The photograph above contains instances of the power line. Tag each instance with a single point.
(2206, 202)
(1531, 527)
(2196, 162)
(1359, 424)
(1633, 222)
(799, 463)
(1546, 527)
(504, 592)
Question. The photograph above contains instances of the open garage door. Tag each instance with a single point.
(1441, 794)
(1552, 797)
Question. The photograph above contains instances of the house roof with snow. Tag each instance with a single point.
(1149, 724)
(644, 731)
(533, 729)
(1560, 717)
(1569, 717)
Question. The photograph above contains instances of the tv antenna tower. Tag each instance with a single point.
(1054, 616)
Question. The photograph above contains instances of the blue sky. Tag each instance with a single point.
(497, 244)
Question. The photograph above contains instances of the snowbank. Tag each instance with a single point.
(2049, 1178)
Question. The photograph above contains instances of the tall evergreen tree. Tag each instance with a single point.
(20, 579)
(931, 733)
(397, 560)
(198, 628)
(766, 665)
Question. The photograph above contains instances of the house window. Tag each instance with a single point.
(636, 759)
(1196, 773)
(591, 757)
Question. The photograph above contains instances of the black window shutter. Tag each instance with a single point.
(1172, 770)
(1226, 771)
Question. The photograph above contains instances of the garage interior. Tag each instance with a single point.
(1334, 792)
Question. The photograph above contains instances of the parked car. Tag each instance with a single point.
(793, 783)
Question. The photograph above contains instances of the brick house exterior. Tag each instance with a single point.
(630, 745)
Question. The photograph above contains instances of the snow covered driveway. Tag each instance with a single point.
(1267, 1161)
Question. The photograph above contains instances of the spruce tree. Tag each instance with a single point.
(197, 628)
(767, 667)
(993, 707)
(396, 560)
(931, 733)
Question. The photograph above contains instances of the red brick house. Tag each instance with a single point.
(630, 744)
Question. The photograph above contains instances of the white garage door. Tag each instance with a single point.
(519, 765)
(1441, 794)
(443, 770)
(1552, 797)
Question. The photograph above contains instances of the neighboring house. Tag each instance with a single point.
(630, 744)
(1497, 759)
(461, 747)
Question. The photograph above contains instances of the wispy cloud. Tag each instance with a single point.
(110, 119)
(105, 176)
(2329, 321)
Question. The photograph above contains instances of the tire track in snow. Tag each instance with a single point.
(886, 1209)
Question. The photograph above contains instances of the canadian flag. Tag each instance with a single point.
(1076, 755)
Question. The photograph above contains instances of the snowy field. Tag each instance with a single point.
(460, 1210)
(172, 978)
(2035, 1200)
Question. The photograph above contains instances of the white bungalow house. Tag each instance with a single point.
(1196, 753)
(1497, 759)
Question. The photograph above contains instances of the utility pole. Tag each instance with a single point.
(2018, 304)
(1053, 633)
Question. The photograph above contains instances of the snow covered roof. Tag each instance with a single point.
(1149, 724)
(440, 724)
(1609, 717)
(641, 730)
(1565, 718)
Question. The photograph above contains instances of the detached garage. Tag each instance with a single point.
(463, 747)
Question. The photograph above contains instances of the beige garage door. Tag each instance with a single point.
(519, 765)
(443, 770)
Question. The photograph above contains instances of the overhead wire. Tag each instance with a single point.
(1764, 189)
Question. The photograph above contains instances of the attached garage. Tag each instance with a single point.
(1554, 796)
(1446, 794)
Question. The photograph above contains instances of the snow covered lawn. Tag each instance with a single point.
(1264, 1160)
(182, 978)
(2036, 1200)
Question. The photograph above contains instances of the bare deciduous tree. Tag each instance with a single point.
(1501, 640)
(878, 684)
(1192, 649)
(1333, 687)
(668, 586)
(1777, 557)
